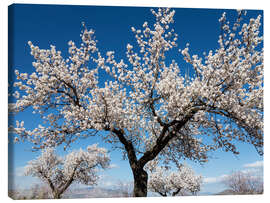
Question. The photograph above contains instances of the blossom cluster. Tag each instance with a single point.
(78, 166)
(151, 102)
(172, 183)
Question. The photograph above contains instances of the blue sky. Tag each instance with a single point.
(45, 25)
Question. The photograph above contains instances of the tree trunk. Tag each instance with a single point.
(56, 195)
(140, 175)
(140, 182)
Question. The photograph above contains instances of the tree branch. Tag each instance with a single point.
(163, 140)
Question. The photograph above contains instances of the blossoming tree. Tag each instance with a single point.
(78, 166)
(179, 182)
(240, 182)
(148, 108)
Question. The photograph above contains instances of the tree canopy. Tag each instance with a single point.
(148, 107)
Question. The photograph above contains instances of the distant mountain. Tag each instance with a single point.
(231, 192)
(99, 192)
(226, 192)
(205, 193)
(91, 192)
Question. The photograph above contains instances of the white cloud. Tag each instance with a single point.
(113, 166)
(107, 184)
(255, 164)
(255, 168)
(214, 179)
(210, 180)
(19, 171)
(106, 181)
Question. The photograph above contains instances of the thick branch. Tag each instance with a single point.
(163, 140)
(48, 180)
(68, 183)
(163, 194)
(176, 192)
(128, 147)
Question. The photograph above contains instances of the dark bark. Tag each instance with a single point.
(56, 195)
(55, 192)
(176, 192)
(140, 182)
(58, 191)
(164, 138)
(65, 187)
(68, 183)
(139, 174)
(162, 194)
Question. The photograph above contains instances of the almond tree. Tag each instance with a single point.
(148, 108)
(179, 182)
(244, 183)
(59, 173)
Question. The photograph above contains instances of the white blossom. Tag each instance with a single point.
(78, 166)
(148, 106)
(173, 183)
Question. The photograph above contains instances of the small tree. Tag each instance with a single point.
(59, 173)
(244, 183)
(180, 182)
(149, 109)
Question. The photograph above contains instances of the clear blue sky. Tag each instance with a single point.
(45, 25)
